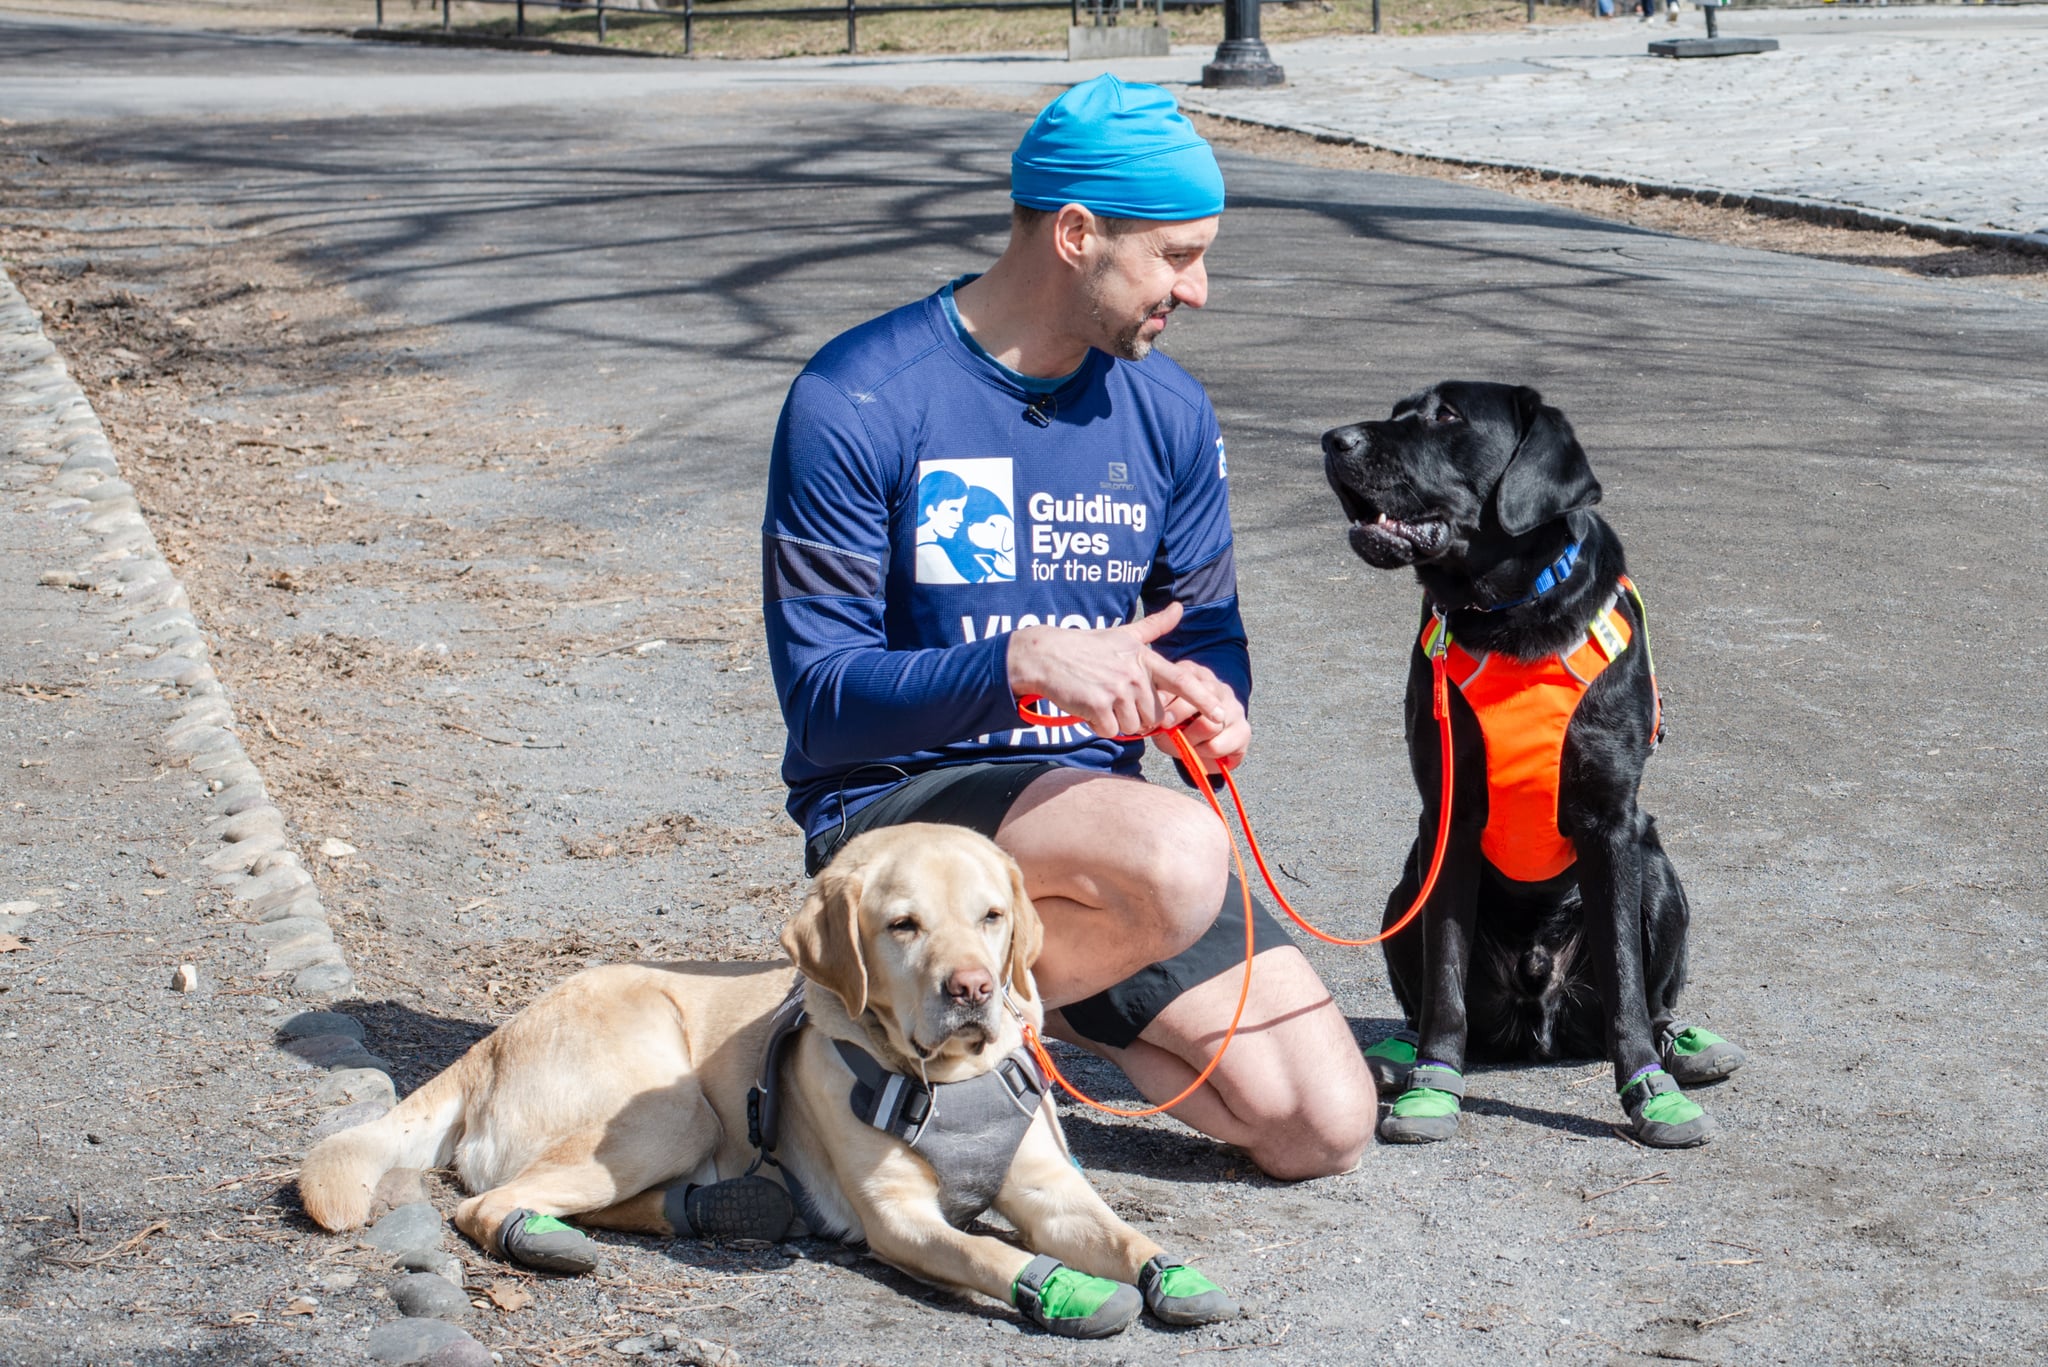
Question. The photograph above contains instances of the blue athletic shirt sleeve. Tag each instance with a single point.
(846, 695)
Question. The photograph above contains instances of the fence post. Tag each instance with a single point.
(380, 13)
(852, 43)
(522, 17)
(1375, 16)
(600, 19)
(444, 15)
(689, 27)
(1532, 11)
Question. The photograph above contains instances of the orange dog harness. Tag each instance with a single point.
(1524, 707)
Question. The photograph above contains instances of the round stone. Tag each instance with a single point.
(446, 1266)
(308, 1023)
(409, 1227)
(408, 1341)
(423, 1295)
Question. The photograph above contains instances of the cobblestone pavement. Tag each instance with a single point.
(1926, 113)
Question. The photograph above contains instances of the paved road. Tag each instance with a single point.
(1831, 483)
(1936, 114)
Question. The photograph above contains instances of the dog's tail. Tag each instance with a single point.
(338, 1178)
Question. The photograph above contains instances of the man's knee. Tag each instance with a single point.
(1179, 871)
(1324, 1134)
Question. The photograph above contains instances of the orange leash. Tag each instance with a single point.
(1440, 707)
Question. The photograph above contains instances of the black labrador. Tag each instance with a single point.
(1557, 926)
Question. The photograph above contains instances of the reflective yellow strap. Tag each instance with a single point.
(1609, 641)
(1437, 637)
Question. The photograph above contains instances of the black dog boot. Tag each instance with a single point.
(750, 1207)
(1428, 1110)
(1390, 1060)
(1177, 1294)
(1661, 1115)
(545, 1244)
(1695, 1056)
(1073, 1304)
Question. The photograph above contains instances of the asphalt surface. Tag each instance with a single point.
(1830, 483)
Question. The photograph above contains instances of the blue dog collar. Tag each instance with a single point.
(1555, 573)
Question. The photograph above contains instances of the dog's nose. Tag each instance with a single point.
(1344, 442)
(970, 985)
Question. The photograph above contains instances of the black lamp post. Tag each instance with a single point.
(1241, 58)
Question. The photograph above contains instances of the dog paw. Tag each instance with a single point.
(749, 1207)
(1662, 1116)
(1178, 1294)
(1073, 1304)
(1696, 1057)
(1428, 1111)
(1390, 1060)
(545, 1244)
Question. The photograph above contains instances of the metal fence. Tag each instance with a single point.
(689, 12)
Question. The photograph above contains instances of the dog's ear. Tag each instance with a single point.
(823, 939)
(1549, 475)
(1027, 938)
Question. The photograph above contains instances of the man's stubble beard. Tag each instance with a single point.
(1125, 340)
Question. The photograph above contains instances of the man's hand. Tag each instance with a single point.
(1113, 680)
(1219, 734)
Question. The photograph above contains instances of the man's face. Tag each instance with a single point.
(1142, 277)
(944, 516)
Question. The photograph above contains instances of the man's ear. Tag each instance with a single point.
(1027, 938)
(1076, 231)
(823, 939)
(1549, 475)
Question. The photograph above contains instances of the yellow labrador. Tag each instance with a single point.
(622, 1098)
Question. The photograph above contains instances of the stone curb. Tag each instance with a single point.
(1823, 211)
(51, 443)
(51, 431)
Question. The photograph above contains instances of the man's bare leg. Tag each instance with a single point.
(1126, 874)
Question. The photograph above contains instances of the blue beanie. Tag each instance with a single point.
(1123, 151)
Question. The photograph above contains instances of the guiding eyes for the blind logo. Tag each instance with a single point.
(967, 530)
(966, 524)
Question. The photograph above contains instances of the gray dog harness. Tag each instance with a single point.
(968, 1131)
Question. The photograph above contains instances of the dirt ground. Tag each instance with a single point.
(956, 31)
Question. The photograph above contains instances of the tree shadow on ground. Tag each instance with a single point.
(417, 1044)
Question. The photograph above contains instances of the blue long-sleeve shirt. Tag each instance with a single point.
(924, 502)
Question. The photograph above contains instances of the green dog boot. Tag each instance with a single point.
(1177, 1294)
(545, 1244)
(1390, 1060)
(1428, 1110)
(1073, 1304)
(1661, 1115)
(1695, 1056)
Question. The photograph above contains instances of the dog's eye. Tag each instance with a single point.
(994, 914)
(1445, 413)
(903, 925)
